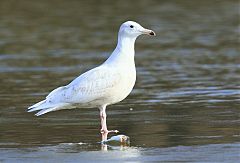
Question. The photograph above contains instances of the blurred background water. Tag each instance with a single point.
(185, 104)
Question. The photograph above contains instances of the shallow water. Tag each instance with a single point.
(185, 104)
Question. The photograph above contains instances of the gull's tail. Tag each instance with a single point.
(44, 107)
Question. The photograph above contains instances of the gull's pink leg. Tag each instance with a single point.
(104, 131)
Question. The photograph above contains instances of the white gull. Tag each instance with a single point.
(104, 85)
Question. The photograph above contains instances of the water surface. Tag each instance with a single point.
(185, 104)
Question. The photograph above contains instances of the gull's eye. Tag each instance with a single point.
(131, 26)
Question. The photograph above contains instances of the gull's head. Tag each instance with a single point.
(133, 29)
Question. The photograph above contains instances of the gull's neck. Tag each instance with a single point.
(126, 44)
(124, 51)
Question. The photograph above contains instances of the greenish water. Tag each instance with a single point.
(185, 104)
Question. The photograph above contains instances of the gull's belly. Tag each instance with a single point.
(123, 88)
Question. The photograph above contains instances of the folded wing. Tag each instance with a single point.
(90, 86)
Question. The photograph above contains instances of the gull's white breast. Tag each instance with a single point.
(125, 84)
